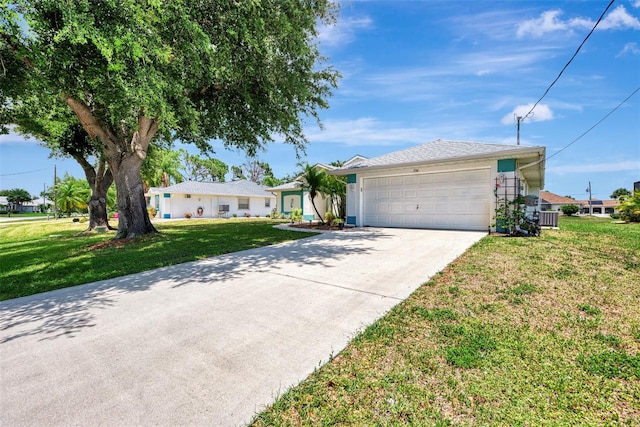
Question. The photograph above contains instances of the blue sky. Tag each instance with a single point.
(416, 71)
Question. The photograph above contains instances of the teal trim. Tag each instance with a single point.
(308, 217)
(290, 193)
(351, 220)
(167, 195)
(351, 178)
(167, 216)
(506, 165)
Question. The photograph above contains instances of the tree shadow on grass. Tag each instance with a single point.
(66, 312)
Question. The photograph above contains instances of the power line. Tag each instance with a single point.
(24, 173)
(592, 127)
(571, 60)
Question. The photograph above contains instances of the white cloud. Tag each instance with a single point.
(15, 138)
(628, 165)
(619, 19)
(546, 23)
(550, 22)
(635, 3)
(343, 31)
(540, 114)
(629, 48)
(366, 131)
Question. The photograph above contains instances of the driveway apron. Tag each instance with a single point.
(211, 342)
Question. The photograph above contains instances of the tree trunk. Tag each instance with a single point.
(133, 219)
(99, 181)
(125, 157)
(312, 195)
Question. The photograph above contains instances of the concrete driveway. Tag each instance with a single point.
(210, 342)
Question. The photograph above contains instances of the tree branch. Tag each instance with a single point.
(88, 120)
(16, 47)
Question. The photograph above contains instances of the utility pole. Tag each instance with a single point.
(590, 206)
(520, 119)
(55, 203)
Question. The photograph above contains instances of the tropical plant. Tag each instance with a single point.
(314, 181)
(569, 210)
(161, 168)
(72, 195)
(629, 207)
(511, 215)
(296, 215)
(18, 196)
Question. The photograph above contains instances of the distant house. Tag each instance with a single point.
(604, 207)
(553, 202)
(211, 199)
(32, 206)
(293, 195)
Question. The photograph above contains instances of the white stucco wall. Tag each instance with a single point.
(178, 205)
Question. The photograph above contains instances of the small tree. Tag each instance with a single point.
(619, 193)
(569, 210)
(314, 181)
(72, 195)
(18, 196)
(630, 207)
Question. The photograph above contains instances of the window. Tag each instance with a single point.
(243, 203)
(267, 202)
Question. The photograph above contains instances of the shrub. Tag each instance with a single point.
(151, 211)
(569, 210)
(629, 208)
(296, 215)
(329, 217)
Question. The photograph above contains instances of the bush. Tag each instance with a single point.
(151, 211)
(629, 208)
(569, 210)
(296, 215)
(329, 217)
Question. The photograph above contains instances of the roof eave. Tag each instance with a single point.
(521, 151)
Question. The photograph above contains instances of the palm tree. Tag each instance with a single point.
(314, 181)
(72, 195)
(161, 167)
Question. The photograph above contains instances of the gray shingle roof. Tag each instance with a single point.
(232, 188)
(439, 150)
(293, 185)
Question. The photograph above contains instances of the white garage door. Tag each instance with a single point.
(452, 200)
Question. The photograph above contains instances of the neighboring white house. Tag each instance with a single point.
(442, 184)
(293, 195)
(32, 206)
(211, 199)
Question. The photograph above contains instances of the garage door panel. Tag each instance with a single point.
(454, 200)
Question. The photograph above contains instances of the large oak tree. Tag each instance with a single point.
(137, 71)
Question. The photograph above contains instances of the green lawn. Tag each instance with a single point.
(517, 331)
(39, 256)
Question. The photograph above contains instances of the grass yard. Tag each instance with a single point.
(517, 331)
(40, 256)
